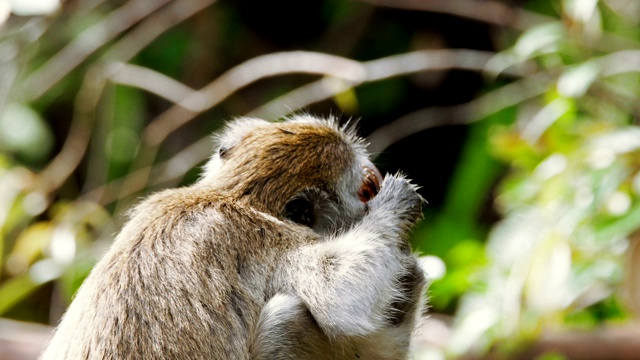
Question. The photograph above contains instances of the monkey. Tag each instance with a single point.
(291, 245)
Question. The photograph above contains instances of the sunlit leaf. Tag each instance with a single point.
(23, 131)
(28, 247)
(34, 7)
(576, 80)
(347, 101)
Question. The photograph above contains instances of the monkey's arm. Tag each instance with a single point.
(351, 283)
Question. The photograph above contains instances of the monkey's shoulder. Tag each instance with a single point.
(177, 202)
(194, 213)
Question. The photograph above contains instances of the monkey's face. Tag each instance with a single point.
(305, 170)
(329, 210)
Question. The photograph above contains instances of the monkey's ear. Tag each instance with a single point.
(300, 209)
(233, 133)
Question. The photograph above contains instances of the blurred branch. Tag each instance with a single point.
(601, 344)
(491, 12)
(87, 5)
(301, 97)
(90, 40)
(150, 81)
(22, 340)
(231, 81)
(509, 95)
(75, 146)
(631, 283)
(620, 62)
(475, 110)
(380, 69)
(415, 122)
(153, 26)
(496, 13)
(244, 74)
(615, 342)
(341, 74)
(430, 60)
(163, 174)
(131, 44)
(343, 36)
(506, 96)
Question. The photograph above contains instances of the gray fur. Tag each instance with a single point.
(214, 270)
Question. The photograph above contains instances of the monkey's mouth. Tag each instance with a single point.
(371, 183)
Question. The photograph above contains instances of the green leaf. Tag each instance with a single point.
(15, 290)
(622, 226)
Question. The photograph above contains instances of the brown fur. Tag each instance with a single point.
(191, 272)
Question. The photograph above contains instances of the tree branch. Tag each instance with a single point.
(85, 44)
(490, 12)
(75, 146)
(340, 74)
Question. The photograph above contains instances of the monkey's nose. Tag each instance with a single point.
(371, 182)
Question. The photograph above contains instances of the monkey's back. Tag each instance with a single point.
(179, 282)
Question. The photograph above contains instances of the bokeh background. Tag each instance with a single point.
(519, 119)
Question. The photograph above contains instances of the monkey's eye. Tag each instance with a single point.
(300, 210)
(223, 151)
(371, 184)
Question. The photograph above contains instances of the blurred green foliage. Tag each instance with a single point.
(568, 202)
(536, 227)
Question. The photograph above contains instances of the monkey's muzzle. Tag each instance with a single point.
(370, 183)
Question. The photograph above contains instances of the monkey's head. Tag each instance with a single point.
(306, 170)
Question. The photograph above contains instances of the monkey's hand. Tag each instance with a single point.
(352, 282)
(396, 209)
